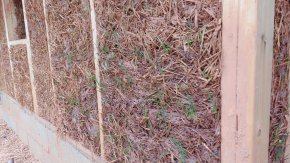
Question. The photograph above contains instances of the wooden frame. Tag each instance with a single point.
(248, 28)
(26, 42)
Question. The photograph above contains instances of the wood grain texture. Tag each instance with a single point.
(29, 57)
(246, 79)
(98, 76)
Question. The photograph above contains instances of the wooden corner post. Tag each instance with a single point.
(248, 28)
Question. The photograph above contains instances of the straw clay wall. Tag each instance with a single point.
(160, 64)
(160, 67)
(6, 70)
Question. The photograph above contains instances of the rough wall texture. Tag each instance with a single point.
(7, 70)
(280, 83)
(21, 76)
(2, 54)
(160, 67)
(73, 70)
(2, 75)
(5, 59)
(40, 58)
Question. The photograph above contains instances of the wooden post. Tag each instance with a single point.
(29, 56)
(98, 76)
(248, 27)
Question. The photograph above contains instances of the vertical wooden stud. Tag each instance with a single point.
(29, 56)
(98, 76)
(248, 27)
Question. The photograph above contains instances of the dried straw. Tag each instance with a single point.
(21, 76)
(73, 70)
(6, 67)
(40, 58)
(160, 66)
(279, 102)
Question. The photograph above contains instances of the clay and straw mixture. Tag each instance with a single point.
(160, 68)
(280, 83)
(40, 58)
(5, 58)
(73, 70)
(21, 76)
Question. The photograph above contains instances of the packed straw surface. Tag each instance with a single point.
(73, 70)
(280, 103)
(160, 68)
(6, 67)
(160, 76)
(2, 75)
(40, 58)
(21, 76)
(2, 68)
